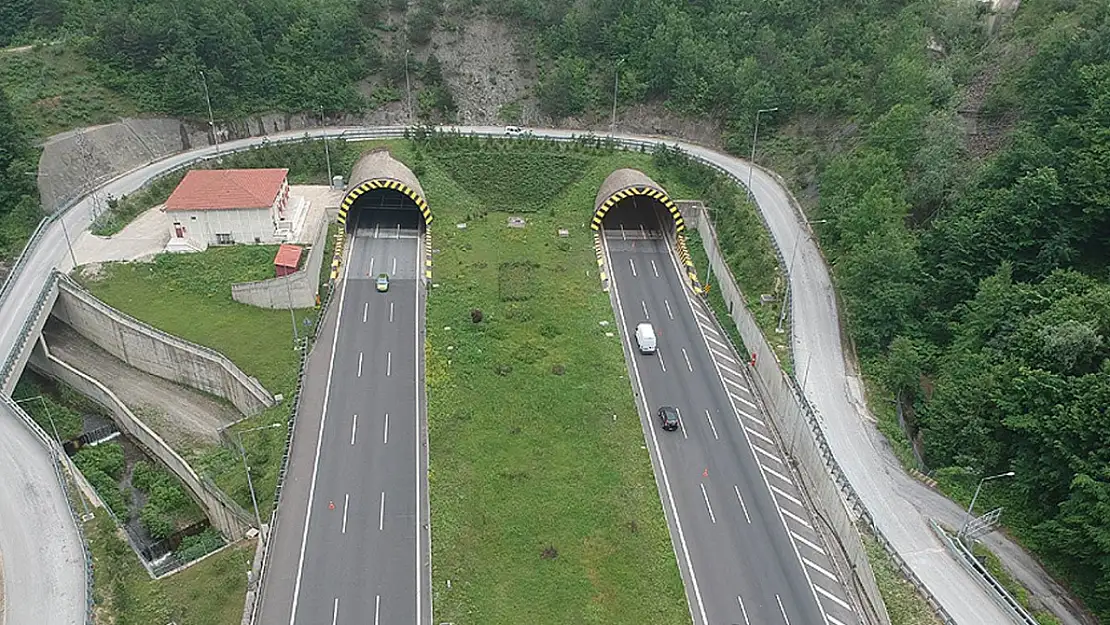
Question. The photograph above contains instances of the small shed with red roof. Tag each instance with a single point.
(287, 260)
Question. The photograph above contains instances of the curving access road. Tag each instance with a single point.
(54, 577)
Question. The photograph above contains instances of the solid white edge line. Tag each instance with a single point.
(658, 453)
(320, 439)
(766, 483)
(418, 354)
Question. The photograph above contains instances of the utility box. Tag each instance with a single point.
(337, 183)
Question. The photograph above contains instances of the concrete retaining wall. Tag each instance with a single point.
(296, 290)
(824, 483)
(157, 353)
(225, 515)
(33, 329)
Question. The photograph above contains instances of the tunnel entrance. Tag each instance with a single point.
(630, 205)
(384, 213)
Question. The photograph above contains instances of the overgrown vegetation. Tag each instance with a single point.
(124, 209)
(209, 592)
(19, 199)
(903, 604)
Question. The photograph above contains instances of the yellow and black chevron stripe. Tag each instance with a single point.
(384, 183)
(688, 264)
(337, 255)
(651, 192)
(601, 263)
(428, 254)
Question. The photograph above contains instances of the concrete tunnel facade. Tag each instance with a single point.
(378, 169)
(626, 183)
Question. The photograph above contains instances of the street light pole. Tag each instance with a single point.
(755, 137)
(616, 84)
(211, 120)
(65, 231)
(327, 151)
(408, 87)
(786, 295)
(971, 507)
(246, 467)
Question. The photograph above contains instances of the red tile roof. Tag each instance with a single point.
(227, 189)
(288, 256)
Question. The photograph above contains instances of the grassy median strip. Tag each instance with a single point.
(544, 506)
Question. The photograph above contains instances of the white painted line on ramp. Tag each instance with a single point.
(837, 600)
(687, 358)
(659, 355)
(741, 500)
(385, 433)
(816, 567)
(743, 611)
(681, 422)
(775, 473)
(389, 363)
(707, 505)
(808, 543)
(377, 609)
(767, 454)
(669, 313)
(365, 309)
(654, 268)
(346, 504)
(729, 369)
(371, 272)
(335, 611)
(711, 426)
(758, 435)
(391, 312)
(381, 513)
(643, 305)
(633, 266)
(787, 496)
(717, 354)
(795, 517)
(782, 609)
(394, 272)
(354, 428)
(747, 416)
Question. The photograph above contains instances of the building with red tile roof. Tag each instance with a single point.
(227, 206)
(287, 260)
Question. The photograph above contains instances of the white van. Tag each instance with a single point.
(645, 338)
(513, 130)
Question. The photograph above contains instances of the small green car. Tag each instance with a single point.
(383, 283)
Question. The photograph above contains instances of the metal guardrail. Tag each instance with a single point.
(1002, 597)
(850, 495)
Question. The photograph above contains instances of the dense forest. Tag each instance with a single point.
(976, 284)
(19, 202)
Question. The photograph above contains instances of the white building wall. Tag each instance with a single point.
(244, 226)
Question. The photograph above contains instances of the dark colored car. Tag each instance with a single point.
(668, 417)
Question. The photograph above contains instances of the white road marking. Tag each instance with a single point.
(782, 609)
(371, 272)
(385, 430)
(711, 426)
(747, 402)
(376, 228)
(668, 305)
(354, 428)
(644, 305)
(681, 422)
(729, 369)
(319, 444)
(749, 417)
(792, 499)
(767, 454)
(662, 466)
(834, 621)
(809, 544)
(709, 507)
(708, 328)
(654, 268)
(713, 340)
(659, 355)
(346, 504)
(397, 236)
(391, 312)
(813, 565)
(837, 600)
(394, 272)
(377, 609)
(743, 611)
(389, 363)
(381, 513)
(723, 356)
(741, 500)
(417, 444)
(365, 309)
(687, 357)
(360, 364)
(796, 517)
(633, 266)
(758, 435)
(775, 473)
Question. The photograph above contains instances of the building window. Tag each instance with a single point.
(224, 239)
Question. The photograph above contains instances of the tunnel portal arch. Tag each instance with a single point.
(378, 170)
(623, 184)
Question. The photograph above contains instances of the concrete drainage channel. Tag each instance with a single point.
(802, 417)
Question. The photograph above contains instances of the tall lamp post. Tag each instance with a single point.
(211, 120)
(327, 151)
(616, 84)
(755, 137)
(408, 87)
(65, 230)
(246, 467)
(971, 507)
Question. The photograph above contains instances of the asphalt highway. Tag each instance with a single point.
(748, 554)
(360, 558)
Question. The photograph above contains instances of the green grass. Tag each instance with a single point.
(903, 604)
(507, 178)
(525, 461)
(189, 295)
(1012, 586)
(208, 593)
(53, 89)
(125, 209)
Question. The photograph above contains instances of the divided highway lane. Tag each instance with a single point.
(361, 554)
(733, 500)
